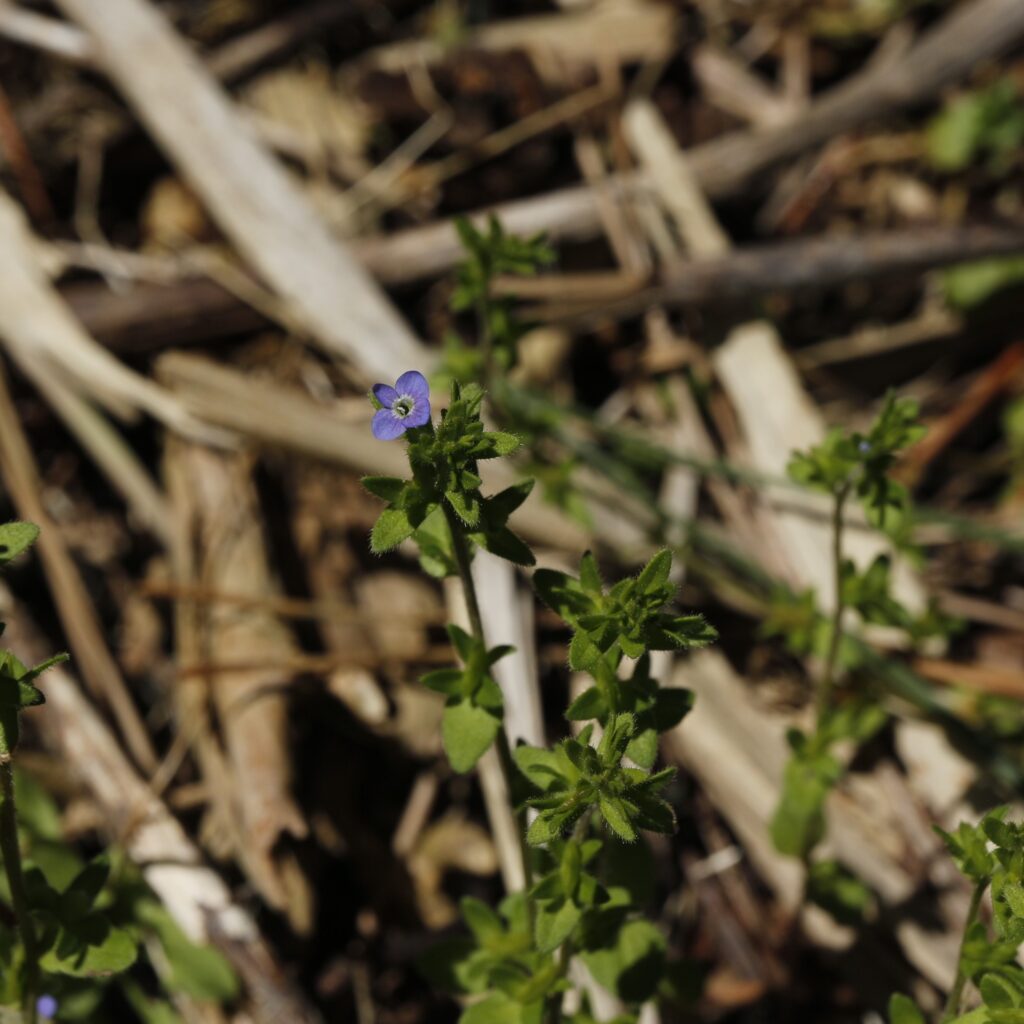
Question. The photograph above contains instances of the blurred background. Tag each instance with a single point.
(222, 220)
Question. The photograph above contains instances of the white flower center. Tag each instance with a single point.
(404, 405)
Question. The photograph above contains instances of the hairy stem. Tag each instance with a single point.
(825, 687)
(11, 853)
(460, 546)
(553, 1013)
(952, 1007)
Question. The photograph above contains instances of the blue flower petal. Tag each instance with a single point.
(413, 384)
(385, 394)
(387, 426)
(420, 413)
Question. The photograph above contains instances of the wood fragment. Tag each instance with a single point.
(245, 190)
(57, 38)
(215, 497)
(36, 326)
(152, 315)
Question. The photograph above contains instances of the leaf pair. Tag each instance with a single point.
(474, 709)
(627, 620)
(76, 938)
(498, 957)
(654, 709)
(575, 777)
(565, 894)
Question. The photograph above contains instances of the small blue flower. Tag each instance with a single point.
(405, 405)
(46, 1007)
(864, 447)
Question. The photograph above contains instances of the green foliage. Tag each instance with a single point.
(984, 124)
(444, 474)
(838, 891)
(967, 285)
(799, 821)
(848, 462)
(473, 712)
(991, 855)
(16, 538)
(627, 620)
(577, 777)
(489, 253)
(498, 957)
(632, 965)
(512, 965)
(903, 1010)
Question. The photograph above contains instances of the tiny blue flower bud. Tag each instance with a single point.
(46, 1007)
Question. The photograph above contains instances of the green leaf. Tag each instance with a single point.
(967, 285)
(199, 971)
(671, 706)
(78, 899)
(589, 704)
(799, 821)
(500, 1009)
(643, 748)
(483, 922)
(654, 576)
(15, 538)
(466, 505)
(542, 767)
(544, 828)
(562, 594)
(391, 528)
(501, 541)
(90, 948)
(590, 574)
(390, 488)
(841, 893)
(903, 1010)
(437, 556)
(505, 502)
(449, 681)
(632, 965)
(496, 443)
(553, 924)
(466, 732)
(464, 644)
(615, 814)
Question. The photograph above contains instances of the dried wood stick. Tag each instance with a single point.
(36, 325)
(804, 264)
(150, 315)
(605, 33)
(246, 191)
(74, 606)
(970, 34)
(54, 37)
(173, 867)
(238, 57)
(216, 500)
(107, 448)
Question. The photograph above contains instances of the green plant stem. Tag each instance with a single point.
(553, 1014)
(952, 1007)
(460, 547)
(824, 700)
(11, 853)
